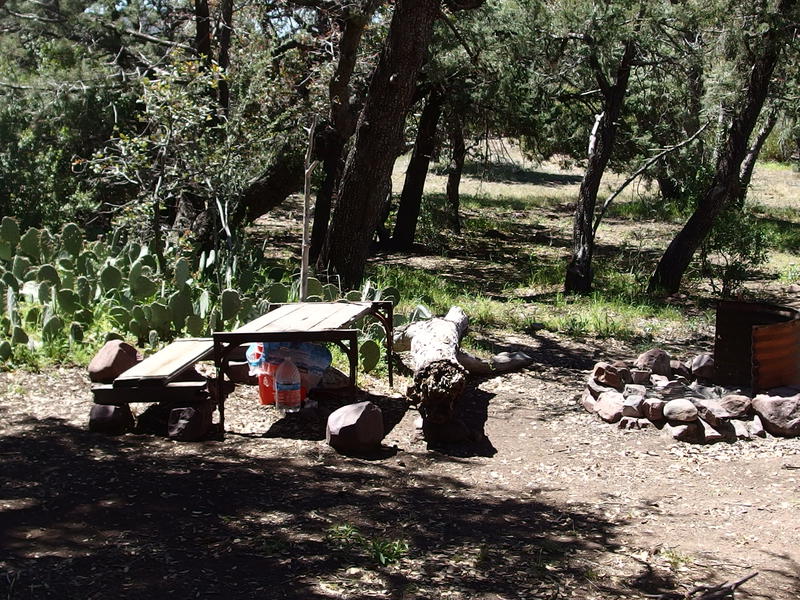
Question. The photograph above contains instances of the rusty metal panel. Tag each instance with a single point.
(776, 355)
(756, 345)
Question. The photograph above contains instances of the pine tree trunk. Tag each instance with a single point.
(749, 162)
(378, 135)
(725, 187)
(579, 271)
(458, 152)
(411, 198)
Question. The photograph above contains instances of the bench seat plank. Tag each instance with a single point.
(167, 363)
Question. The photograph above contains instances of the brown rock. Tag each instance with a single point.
(632, 406)
(111, 420)
(703, 367)
(112, 360)
(641, 376)
(756, 427)
(724, 431)
(685, 432)
(741, 429)
(355, 427)
(671, 389)
(595, 389)
(711, 411)
(680, 369)
(658, 380)
(656, 360)
(653, 409)
(633, 423)
(681, 410)
(624, 372)
(607, 375)
(779, 415)
(633, 389)
(588, 402)
(609, 406)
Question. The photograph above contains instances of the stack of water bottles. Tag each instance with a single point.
(279, 380)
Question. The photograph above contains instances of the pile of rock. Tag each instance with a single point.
(681, 399)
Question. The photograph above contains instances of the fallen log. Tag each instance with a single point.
(439, 378)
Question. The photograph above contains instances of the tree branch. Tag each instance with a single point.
(641, 170)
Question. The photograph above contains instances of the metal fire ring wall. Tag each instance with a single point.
(757, 345)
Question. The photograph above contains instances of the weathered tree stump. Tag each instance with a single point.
(439, 378)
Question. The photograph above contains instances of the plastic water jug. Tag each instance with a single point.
(287, 387)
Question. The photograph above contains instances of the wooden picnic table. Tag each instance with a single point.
(294, 322)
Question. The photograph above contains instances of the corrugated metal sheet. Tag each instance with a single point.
(757, 345)
(776, 355)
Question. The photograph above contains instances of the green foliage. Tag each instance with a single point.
(737, 245)
(380, 550)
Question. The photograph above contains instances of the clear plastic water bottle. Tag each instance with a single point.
(287, 387)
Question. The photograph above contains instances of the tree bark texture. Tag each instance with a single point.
(342, 119)
(202, 36)
(224, 57)
(405, 227)
(725, 186)
(749, 162)
(458, 152)
(378, 134)
(579, 271)
(283, 177)
(439, 378)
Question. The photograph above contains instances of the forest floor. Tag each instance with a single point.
(550, 503)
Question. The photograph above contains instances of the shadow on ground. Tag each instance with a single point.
(86, 516)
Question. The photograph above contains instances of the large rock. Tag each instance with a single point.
(680, 369)
(641, 376)
(703, 367)
(685, 432)
(633, 389)
(723, 431)
(633, 423)
(609, 406)
(738, 405)
(653, 409)
(656, 360)
(780, 415)
(632, 406)
(595, 389)
(112, 360)
(355, 428)
(608, 375)
(111, 420)
(190, 423)
(680, 410)
(624, 371)
(588, 402)
(711, 411)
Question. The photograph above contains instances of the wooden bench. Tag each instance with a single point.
(153, 379)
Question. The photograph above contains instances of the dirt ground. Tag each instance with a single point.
(550, 503)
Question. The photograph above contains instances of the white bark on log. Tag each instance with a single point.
(439, 378)
(499, 363)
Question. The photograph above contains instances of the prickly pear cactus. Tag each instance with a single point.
(68, 301)
(278, 292)
(72, 239)
(48, 273)
(29, 244)
(110, 278)
(20, 265)
(183, 272)
(5, 350)
(370, 354)
(230, 303)
(52, 328)
(195, 326)
(18, 336)
(9, 237)
(76, 332)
